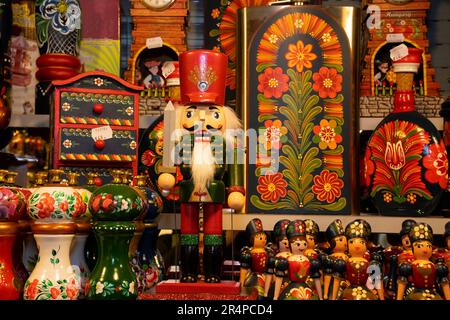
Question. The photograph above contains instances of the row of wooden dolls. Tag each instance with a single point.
(295, 268)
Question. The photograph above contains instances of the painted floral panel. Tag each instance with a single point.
(56, 205)
(300, 83)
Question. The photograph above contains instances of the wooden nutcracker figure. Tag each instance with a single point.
(335, 234)
(205, 133)
(254, 259)
(298, 268)
(283, 251)
(422, 279)
(359, 265)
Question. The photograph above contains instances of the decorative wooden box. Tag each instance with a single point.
(296, 90)
(88, 101)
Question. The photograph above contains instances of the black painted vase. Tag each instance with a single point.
(406, 164)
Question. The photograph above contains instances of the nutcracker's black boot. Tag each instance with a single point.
(189, 263)
(213, 260)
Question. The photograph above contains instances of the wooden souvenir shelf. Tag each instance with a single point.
(379, 224)
(42, 121)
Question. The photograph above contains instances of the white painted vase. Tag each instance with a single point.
(54, 277)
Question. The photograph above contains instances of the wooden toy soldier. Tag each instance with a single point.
(205, 131)
(422, 279)
(335, 234)
(283, 251)
(254, 259)
(358, 266)
(298, 268)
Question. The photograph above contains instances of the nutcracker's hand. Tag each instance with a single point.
(166, 181)
(236, 200)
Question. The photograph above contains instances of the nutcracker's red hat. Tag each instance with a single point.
(202, 77)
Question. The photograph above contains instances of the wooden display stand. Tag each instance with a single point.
(174, 290)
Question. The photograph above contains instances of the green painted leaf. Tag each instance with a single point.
(214, 33)
(308, 198)
(311, 102)
(264, 117)
(339, 150)
(335, 206)
(262, 66)
(53, 252)
(56, 261)
(338, 99)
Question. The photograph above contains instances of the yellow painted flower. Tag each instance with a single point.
(387, 197)
(326, 37)
(300, 56)
(299, 23)
(215, 13)
(273, 38)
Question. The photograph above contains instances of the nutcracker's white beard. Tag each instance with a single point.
(203, 165)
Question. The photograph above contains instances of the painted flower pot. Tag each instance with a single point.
(77, 255)
(112, 277)
(116, 202)
(406, 164)
(53, 277)
(56, 203)
(10, 283)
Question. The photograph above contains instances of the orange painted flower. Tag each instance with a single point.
(327, 186)
(215, 13)
(327, 134)
(32, 290)
(272, 187)
(271, 139)
(300, 56)
(327, 82)
(273, 82)
(436, 162)
(55, 292)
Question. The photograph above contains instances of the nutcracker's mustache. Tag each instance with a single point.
(203, 165)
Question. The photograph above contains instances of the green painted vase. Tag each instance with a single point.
(112, 277)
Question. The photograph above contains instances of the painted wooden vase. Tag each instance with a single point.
(10, 282)
(445, 113)
(114, 207)
(54, 208)
(53, 277)
(57, 202)
(147, 255)
(406, 164)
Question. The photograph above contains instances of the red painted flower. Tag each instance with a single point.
(436, 163)
(45, 205)
(174, 194)
(107, 202)
(148, 158)
(64, 206)
(395, 155)
(87, 287)
(273, 82)
(151, 277)
(79, 205)
(8, 203)
(327, 186)
(327, 82)
(72, 290)
(55, 292)
(272, 187)
(32, 290)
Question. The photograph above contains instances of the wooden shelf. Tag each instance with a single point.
(379, 224)
(43, 121)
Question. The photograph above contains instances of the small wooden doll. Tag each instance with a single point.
(444, 253)
(358, 266)
(335, 234)
(297, 267)
(395, 255)
(283, 251)
(312, 232)
(419, 279)
(254, 260)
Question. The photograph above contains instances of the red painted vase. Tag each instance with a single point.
(10, 284)
(406, 164)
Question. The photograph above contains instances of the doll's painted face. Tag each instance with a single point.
(422, 250)
(311, 241)
(283, 245)
(207, 117)
(259, 240)
(357, 247)
(298, 245)
(340, 244)
(406, 243)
